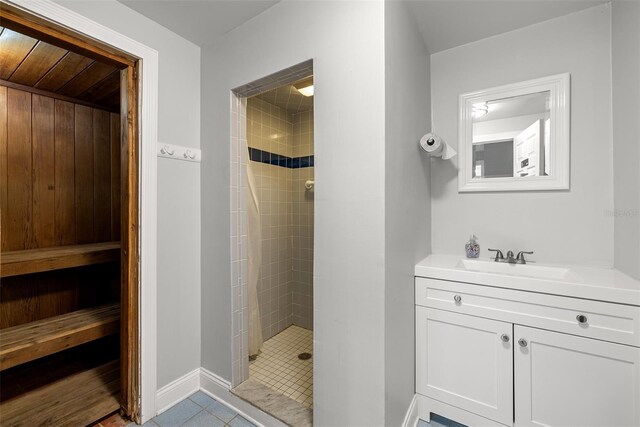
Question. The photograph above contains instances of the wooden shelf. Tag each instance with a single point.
(30, 341)
(55, 258)
(76, 400)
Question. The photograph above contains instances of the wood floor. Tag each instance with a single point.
(72, 388)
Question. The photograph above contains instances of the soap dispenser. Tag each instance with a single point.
(472, 248)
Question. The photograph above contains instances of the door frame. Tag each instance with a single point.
(139, 242)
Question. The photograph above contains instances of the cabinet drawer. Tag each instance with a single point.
(601, 320)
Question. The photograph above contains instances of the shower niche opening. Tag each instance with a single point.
(278, 312)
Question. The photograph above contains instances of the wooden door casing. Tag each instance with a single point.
(128, 191)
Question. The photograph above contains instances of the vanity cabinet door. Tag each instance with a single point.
(564, 380)
(465, 361)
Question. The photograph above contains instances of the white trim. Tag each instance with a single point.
(427, 405)
(411, 418)
(178, 390)
(218, 388)
(559, 88)
(148, 125)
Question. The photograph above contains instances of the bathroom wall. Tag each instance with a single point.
(270, 129)
(346, 42)
(573, 226)
(407, 200)
(625, 55)
(178, 184)
(302, 223)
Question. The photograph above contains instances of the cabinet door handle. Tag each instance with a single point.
(522, 342)
(457, 299)
(581, 318)
(504, 338)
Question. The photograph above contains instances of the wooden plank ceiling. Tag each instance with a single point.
(34, 63)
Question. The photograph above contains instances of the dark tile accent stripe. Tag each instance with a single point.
(279, 160)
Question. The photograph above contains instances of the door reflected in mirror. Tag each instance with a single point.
(511, 136)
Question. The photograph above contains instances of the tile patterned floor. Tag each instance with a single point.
(199, 410)
(279, 368)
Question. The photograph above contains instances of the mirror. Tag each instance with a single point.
(515, 137)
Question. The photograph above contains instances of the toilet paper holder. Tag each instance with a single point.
(436, 147)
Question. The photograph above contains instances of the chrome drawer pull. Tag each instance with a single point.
(457, 299)
(581, 318)
(504, 338)
(522, 342)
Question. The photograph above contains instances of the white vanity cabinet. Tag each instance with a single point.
(462, 360)
(494, 356)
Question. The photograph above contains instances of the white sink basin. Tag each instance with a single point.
(525, 270)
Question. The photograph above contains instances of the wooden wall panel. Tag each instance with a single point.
(37, 296)
(19, 195)
(115, 176)
(84, 173)
(43, 156)
(3, 169)
(60, 164)
(65, 212)
(102, 175)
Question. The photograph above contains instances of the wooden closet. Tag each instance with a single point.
(61, 209)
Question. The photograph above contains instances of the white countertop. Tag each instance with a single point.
(601, 284)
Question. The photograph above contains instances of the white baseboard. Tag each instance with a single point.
(411, 418)
(178, 390)
(426, 406)
(216, 387)
(219, 389)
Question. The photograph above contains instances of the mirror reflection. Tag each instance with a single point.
(511, 136)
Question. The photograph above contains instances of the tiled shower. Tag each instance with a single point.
(279, 129)
(280, 140)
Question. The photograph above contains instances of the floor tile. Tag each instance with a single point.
(279, 368)
(149, 423)
(177, 414)
(221, 411)
(202, 399)
(240, 422)
(204, 419)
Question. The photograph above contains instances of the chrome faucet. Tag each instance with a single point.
(519, 259)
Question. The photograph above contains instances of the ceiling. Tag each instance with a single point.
(200, 21)
(34, 63)
(535, 103)
(288, 98)
(449, 23)
(443, 23)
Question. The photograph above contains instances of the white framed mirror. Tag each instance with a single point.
(516, 137)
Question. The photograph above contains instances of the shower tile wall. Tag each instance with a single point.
(302, 223)
(285, 288)
(270, 129)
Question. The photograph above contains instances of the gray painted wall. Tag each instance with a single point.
(407, 199)
(626, 134)
(560, 226)
(346, 42)
(178, 184)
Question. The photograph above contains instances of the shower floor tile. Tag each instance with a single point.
(279, 368)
